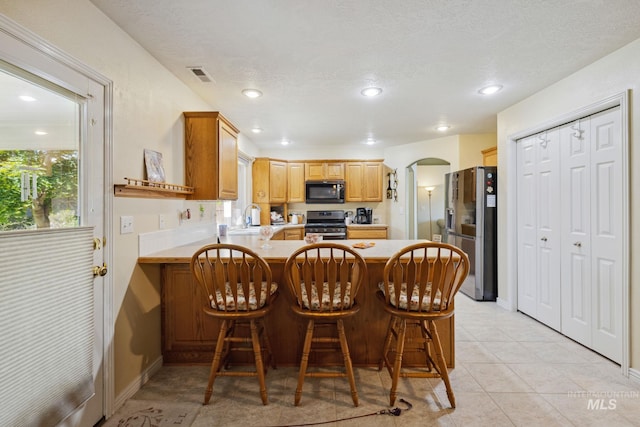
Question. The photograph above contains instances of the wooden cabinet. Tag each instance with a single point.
(295, 182)
(188, 335)
(368, 232)
(278, 235)
(277, 181)
(211, 156)
(363, 182)
(323, 170)
(269, 179)
(296, 233)
(490, 156)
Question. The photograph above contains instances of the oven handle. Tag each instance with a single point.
(331, 234)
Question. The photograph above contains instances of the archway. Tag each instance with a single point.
(425, 197)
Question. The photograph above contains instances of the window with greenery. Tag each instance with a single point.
(39, 140)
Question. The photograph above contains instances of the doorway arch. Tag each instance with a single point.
(422, 221)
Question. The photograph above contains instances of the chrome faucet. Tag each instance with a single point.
(245, 222)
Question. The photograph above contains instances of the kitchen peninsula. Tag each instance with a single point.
(189, 335)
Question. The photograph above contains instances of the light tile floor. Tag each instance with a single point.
(510, 370)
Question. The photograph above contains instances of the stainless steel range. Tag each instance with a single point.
(329, 224)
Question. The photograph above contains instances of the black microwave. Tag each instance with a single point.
(325, 191)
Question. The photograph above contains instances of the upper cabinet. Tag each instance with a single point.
(314, 171)
(211, 156)
(296, 182)
(277, 181)
(269, 181)
(363, 182)
(490, 156)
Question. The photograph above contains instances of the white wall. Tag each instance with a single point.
(148, 102)
(615, 73)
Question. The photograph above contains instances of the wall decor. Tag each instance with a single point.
(153, 163)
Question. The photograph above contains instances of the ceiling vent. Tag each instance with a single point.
(201, 74)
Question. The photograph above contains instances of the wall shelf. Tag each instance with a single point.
(151, 190)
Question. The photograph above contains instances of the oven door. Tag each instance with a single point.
(333, 236)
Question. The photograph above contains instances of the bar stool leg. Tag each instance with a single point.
(257, 353)
(347, 361)
(305, 360)
(215, 363)
(444, 373)
(398, 362)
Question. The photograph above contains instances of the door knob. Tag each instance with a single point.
(99, 271)
(544, 239)
(577, 244)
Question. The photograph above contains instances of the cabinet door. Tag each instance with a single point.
(261, 183)
(228, 163)
(188, 335)
(211, 156)
(314, 171)
(334, 171)
(354, 182)
(372, 180)
(277, 182)
(295, 182)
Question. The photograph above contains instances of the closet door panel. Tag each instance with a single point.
(548, 228)
(527, 237)
(576, 248)
(606, 228)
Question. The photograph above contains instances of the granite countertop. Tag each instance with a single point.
(367, 225)
(280, 250)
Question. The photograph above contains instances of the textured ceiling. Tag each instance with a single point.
(311, 58)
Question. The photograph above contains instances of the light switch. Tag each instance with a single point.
(126, 224)
(162, 221)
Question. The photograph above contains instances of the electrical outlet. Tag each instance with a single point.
(126, 224)
(162, 221)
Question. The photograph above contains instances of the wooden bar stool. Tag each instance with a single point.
(240, 292)
(324, 279)
(419, 285)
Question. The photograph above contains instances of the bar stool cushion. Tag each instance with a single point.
(413, 304)
(326, 303)
(227, 303)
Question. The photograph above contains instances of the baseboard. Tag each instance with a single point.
(137, 384)
(503, 303)
(634, 374)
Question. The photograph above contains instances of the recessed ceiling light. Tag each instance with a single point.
(370, 141)
(252, 93)
(40, 132)
(371, 92)
(490, 90)
(443, 128)
(285, 142)
(256, 130)
(27, 98)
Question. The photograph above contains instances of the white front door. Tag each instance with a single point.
(32, 64)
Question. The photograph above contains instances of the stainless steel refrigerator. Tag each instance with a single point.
(471, 225)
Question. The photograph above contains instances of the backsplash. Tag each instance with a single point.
(155, 241)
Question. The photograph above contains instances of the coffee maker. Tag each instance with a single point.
(364, 216)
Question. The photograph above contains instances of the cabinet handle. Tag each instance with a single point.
(544, 239)
(577, 244)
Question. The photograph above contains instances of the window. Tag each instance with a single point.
(39, 152)
(231, 212)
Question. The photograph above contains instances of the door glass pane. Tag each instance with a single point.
(39, 152)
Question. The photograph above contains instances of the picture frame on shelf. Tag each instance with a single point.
(154, 167)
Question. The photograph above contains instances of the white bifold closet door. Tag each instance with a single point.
(591, 152)
(539, 227)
